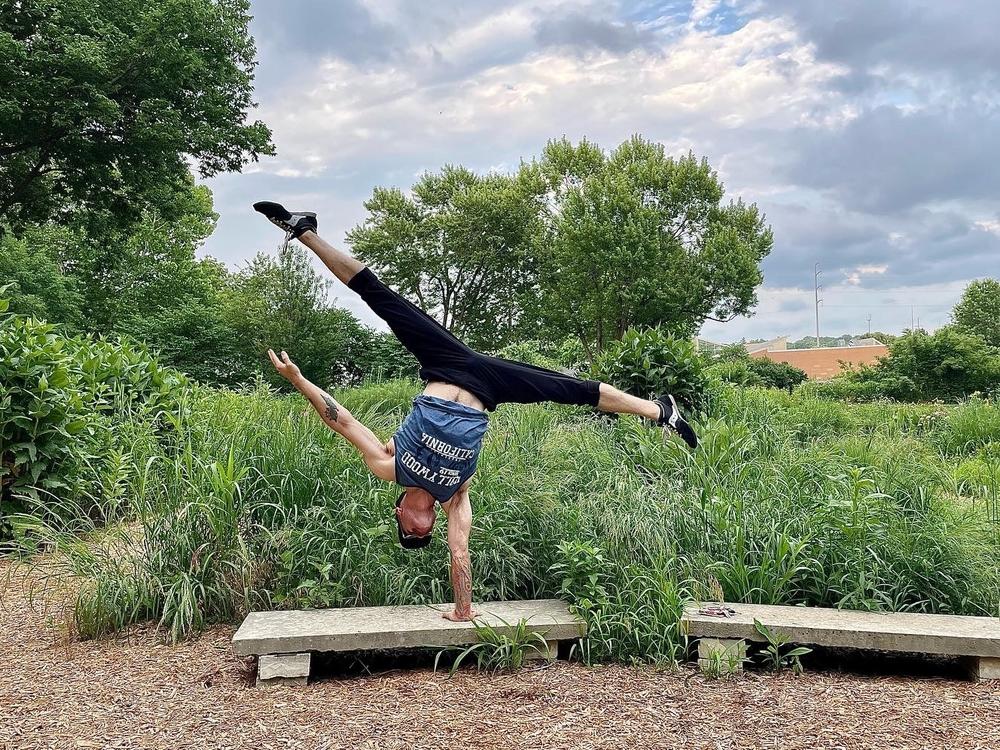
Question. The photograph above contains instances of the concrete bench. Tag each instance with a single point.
(722, 630)
(285, 640)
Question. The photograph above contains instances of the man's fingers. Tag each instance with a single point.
(284, 356)
(274, 358)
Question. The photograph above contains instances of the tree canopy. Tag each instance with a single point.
(459, 246)
(637, 238)
(103, 101)
(979, 310)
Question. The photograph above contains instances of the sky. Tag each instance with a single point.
(867, 132)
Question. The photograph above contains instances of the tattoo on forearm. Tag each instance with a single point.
(461, 582)
(331, 408)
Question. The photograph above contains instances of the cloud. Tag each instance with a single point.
(582, 31)
(863, 130)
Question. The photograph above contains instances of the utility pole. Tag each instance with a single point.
(816, 288)
(869, 325)
(912, 324)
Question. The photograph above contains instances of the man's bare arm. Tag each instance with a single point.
(459, 510)
(339, 419)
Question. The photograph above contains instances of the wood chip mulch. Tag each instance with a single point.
(135, 692)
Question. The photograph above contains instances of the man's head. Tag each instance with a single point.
(415, 517)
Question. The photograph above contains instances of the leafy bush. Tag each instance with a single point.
(737, 372)
(949, 364)
(44, 414)
(65, 409)
(648, 362)
(733, 364)
(777, 374)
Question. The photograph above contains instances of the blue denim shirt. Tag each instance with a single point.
(438, 444)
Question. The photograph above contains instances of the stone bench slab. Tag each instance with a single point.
(952, 635)
(395, 627)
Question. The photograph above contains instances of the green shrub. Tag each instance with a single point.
(69, 410)
(648, 362)
(45, 415)
(733, 364)
(254, 504)
(567, 355)
(737, 372)
(777, 374)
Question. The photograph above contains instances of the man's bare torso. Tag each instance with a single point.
(453, 393)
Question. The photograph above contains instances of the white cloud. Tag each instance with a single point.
(992, 226)
(694, 89)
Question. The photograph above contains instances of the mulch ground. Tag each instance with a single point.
(135, 692)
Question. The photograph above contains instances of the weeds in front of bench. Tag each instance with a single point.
(777, 658)
(497, 650)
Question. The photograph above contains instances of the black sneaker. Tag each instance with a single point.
(670, 416)
(293, 224)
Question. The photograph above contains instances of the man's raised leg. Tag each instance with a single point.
(341, 265)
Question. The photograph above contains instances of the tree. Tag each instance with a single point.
(133, 273)
(948, 364)
(32, 266)
(283, 303)
(103, 101)
(635, 238)
(979, 310)
(459, 246)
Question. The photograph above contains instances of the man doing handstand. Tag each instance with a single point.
(434, 453)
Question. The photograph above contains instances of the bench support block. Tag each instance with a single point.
(984, 668)
(719, 656)
(283, 669)
(549, 652)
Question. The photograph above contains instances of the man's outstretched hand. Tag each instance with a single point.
(284, 365)
(456, 616)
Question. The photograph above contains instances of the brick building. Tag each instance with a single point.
(828, 361)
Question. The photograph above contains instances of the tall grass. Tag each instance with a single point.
(249, 502)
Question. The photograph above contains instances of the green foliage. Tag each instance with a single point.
(459, 248)
(63, 405)
(947, 365)
(140, 88)
(777, 374)
(565, 356)
(42, 409)
(978, 312)
(498, 649)
(636, 238)
(253, 504)
(649, 362)
(37, 285)
(734, 365)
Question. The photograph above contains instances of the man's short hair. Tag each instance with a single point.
(409, 541)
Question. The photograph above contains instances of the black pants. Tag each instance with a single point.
(442, 357)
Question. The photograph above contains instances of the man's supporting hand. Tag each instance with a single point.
(456, 616)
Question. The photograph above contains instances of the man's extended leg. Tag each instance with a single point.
(613, 400)
(521, 383)
(436, 348)
(341, 265)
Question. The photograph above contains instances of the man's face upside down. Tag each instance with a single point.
(416, 513)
